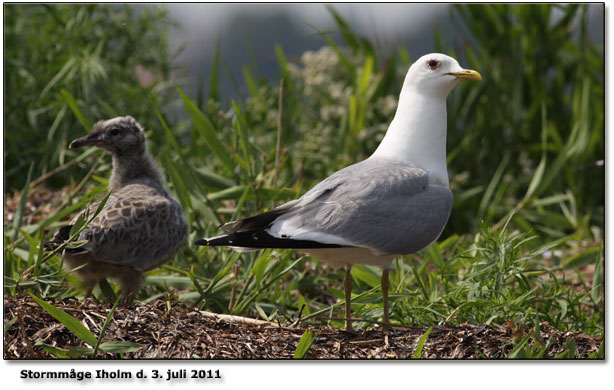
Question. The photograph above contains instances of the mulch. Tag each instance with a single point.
(41, 203)
(170, 330)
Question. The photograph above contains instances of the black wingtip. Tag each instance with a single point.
(261, 239)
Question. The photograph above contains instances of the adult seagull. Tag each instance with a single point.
(395, 202)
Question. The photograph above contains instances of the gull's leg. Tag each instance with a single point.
(88, 285)
(88, 291)
(385, 287)
(347, 285)
(130, 282)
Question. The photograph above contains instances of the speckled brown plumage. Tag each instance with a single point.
(140, 227)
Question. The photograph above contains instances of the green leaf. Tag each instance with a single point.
(77, 226)
(212, 179)
(206, 130)
(303, 345)
(264, 194)
(260, 266)
(492, 186)
(181, 190)
(243, 136)
(223, 272)
(70, 353)
(570, 348)
(519, 351)
(283, 65)
(433, 253)
(214, 88)
(601, 351)
(597, 285)
(537, 177)
(67, 67)
(349, 36)
(541, 168)
(56, 352)
(181, 282)
(342, 57)
(107, 290)
(70, 322)
(261, 312)
(105, 325)
(366, 274)
(249, 81)
(72, 103)
(8, 325)
(22, 202)
(77, 352)
(32, 243)
(302, 303)
(41, 238)
(119, 346)
(418, 352)
(587, 256)
(364, 77)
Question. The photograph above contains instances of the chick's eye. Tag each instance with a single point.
(433, 64)
(114, 131)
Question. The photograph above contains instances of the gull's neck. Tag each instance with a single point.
(417, 135)
(134, 167)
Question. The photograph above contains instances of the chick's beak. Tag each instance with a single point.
(466, 74)
(87, 140)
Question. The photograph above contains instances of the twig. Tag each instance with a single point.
(300, 314)
(61, 168)
(233, 318)
(279, 120)
(233, 292)
(53, 172)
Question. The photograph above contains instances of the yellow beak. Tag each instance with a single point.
(466, 74)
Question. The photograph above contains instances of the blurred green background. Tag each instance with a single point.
(525, 153)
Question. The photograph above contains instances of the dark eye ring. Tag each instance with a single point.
(114, 131)
(433, 64)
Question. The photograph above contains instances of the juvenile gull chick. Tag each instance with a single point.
(140, 227)
(394, 203)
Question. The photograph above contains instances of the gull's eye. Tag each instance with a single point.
(433, 64)
(114, 131)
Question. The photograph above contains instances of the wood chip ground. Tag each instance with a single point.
(169, 330)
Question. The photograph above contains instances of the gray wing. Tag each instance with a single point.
(386, 206)
(138, 227)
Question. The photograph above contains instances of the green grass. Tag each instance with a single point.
(83, 333)
(525, 239)
(70, 65)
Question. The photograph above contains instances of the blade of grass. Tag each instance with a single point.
(303, 345)
(252, 86)
(214, 84)
(597, 285)
(70, 322)
(206, 130)
(72, 103)
(492, 186)
(119, 346)
(22, 203)
(418, 352)
(105, 325)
